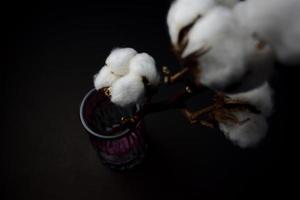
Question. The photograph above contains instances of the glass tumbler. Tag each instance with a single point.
(118, 145)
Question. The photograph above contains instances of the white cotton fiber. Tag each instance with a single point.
(259, 64)
(104, 78)
(229, 46)
(183, 12)
(260, 97)
(127, 90)
(210, 30)
(275, 22)
(143, 65)
(249, 132)
(118, 60)
(228, 3)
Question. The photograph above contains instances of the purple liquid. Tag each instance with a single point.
(118, 146)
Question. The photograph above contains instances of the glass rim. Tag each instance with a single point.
(88, 129)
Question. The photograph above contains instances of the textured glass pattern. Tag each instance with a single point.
(120, 147)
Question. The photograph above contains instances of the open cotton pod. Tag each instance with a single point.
(183, 13)
(104, 78)
(116, 66)
(118, 60)
(227, 54)
(125, 74)
(143, 65)
(228, 47)
(251, 127)
(249, 132)
(232, 60)
(128, 90)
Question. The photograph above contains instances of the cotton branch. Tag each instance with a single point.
(220, 109)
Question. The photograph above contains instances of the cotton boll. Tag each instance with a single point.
(260, 97)
(225, 62)
(218, 25)
(275, 22)
(104, 78)
(144, 65)
(252, 129)
(127, 90)
(118, 60)
(183, 12)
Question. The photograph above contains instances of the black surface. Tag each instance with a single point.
(53, 51)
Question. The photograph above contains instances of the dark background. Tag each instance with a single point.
(53, 50)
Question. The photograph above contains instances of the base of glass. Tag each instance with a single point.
(138, 159)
